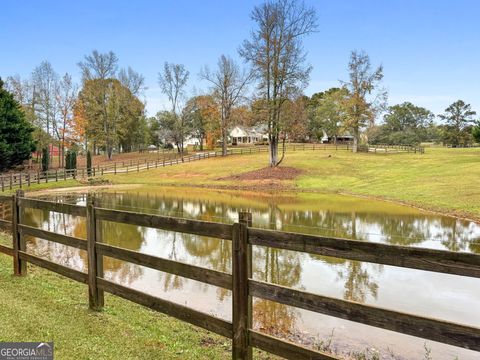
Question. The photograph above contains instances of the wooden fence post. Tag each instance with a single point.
(3, 183)
(240, 298)
(28, 179)
(19, 265)
(245, 217)
(95, 262)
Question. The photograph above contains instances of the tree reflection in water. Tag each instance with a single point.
(213, 254)
(330, 216)
(278, 267)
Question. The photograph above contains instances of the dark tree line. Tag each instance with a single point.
(16, 141)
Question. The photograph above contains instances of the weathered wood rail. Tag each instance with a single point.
(26, 179)
(241, 282)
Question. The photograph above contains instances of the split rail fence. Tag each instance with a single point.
(241, 282)
(21, 180)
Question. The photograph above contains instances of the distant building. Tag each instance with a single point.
(192, 141)
(344, 138)
(52, 150)
(243, 135)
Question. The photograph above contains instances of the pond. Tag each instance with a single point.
(418, 292)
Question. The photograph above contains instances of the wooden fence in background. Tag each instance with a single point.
(241, 282)
(391, 149)
(25, 179)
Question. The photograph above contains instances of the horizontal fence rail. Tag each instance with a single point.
(431, 329)
(20, 180)
(441, 261)
(241, 282)
(194, 227)
(197, 273)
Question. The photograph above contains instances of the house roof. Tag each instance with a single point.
(241, 131)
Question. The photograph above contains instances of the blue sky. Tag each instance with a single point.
(430, 49)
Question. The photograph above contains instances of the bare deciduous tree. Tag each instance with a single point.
(99, 66)
(229, 84)
(65, 98)
(173, 81)
(132, 80)
(361, 107)
(276, 54)
(45, 80)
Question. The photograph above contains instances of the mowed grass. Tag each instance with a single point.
(445, 180)
(44, 306)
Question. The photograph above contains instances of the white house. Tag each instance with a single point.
(336, 139)
(192, 141)
(243, 135)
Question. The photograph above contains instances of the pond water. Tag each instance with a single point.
(424, 293)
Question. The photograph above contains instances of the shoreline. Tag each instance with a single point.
(269, 188)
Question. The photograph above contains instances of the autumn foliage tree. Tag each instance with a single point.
(110, 115)
(203, 115)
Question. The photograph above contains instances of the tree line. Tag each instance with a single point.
(105, 113)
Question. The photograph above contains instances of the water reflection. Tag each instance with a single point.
(327, 215)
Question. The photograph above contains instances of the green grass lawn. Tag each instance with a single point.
(44, 186)
(44, 306)
(445, 180)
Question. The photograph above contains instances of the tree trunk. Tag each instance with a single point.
(109, 151)
(59, 155)
(355, 140)
(273, 150)
(224, 139)
(62, 157)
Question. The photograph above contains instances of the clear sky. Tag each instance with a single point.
(430, 49)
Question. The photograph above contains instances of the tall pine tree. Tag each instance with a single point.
(16, 141)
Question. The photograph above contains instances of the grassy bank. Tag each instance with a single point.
(44, 186)
(46, 307)
(445, 180)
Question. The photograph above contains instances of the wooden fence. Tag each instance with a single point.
(392, 149)
(21, 180)
(240, 281)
